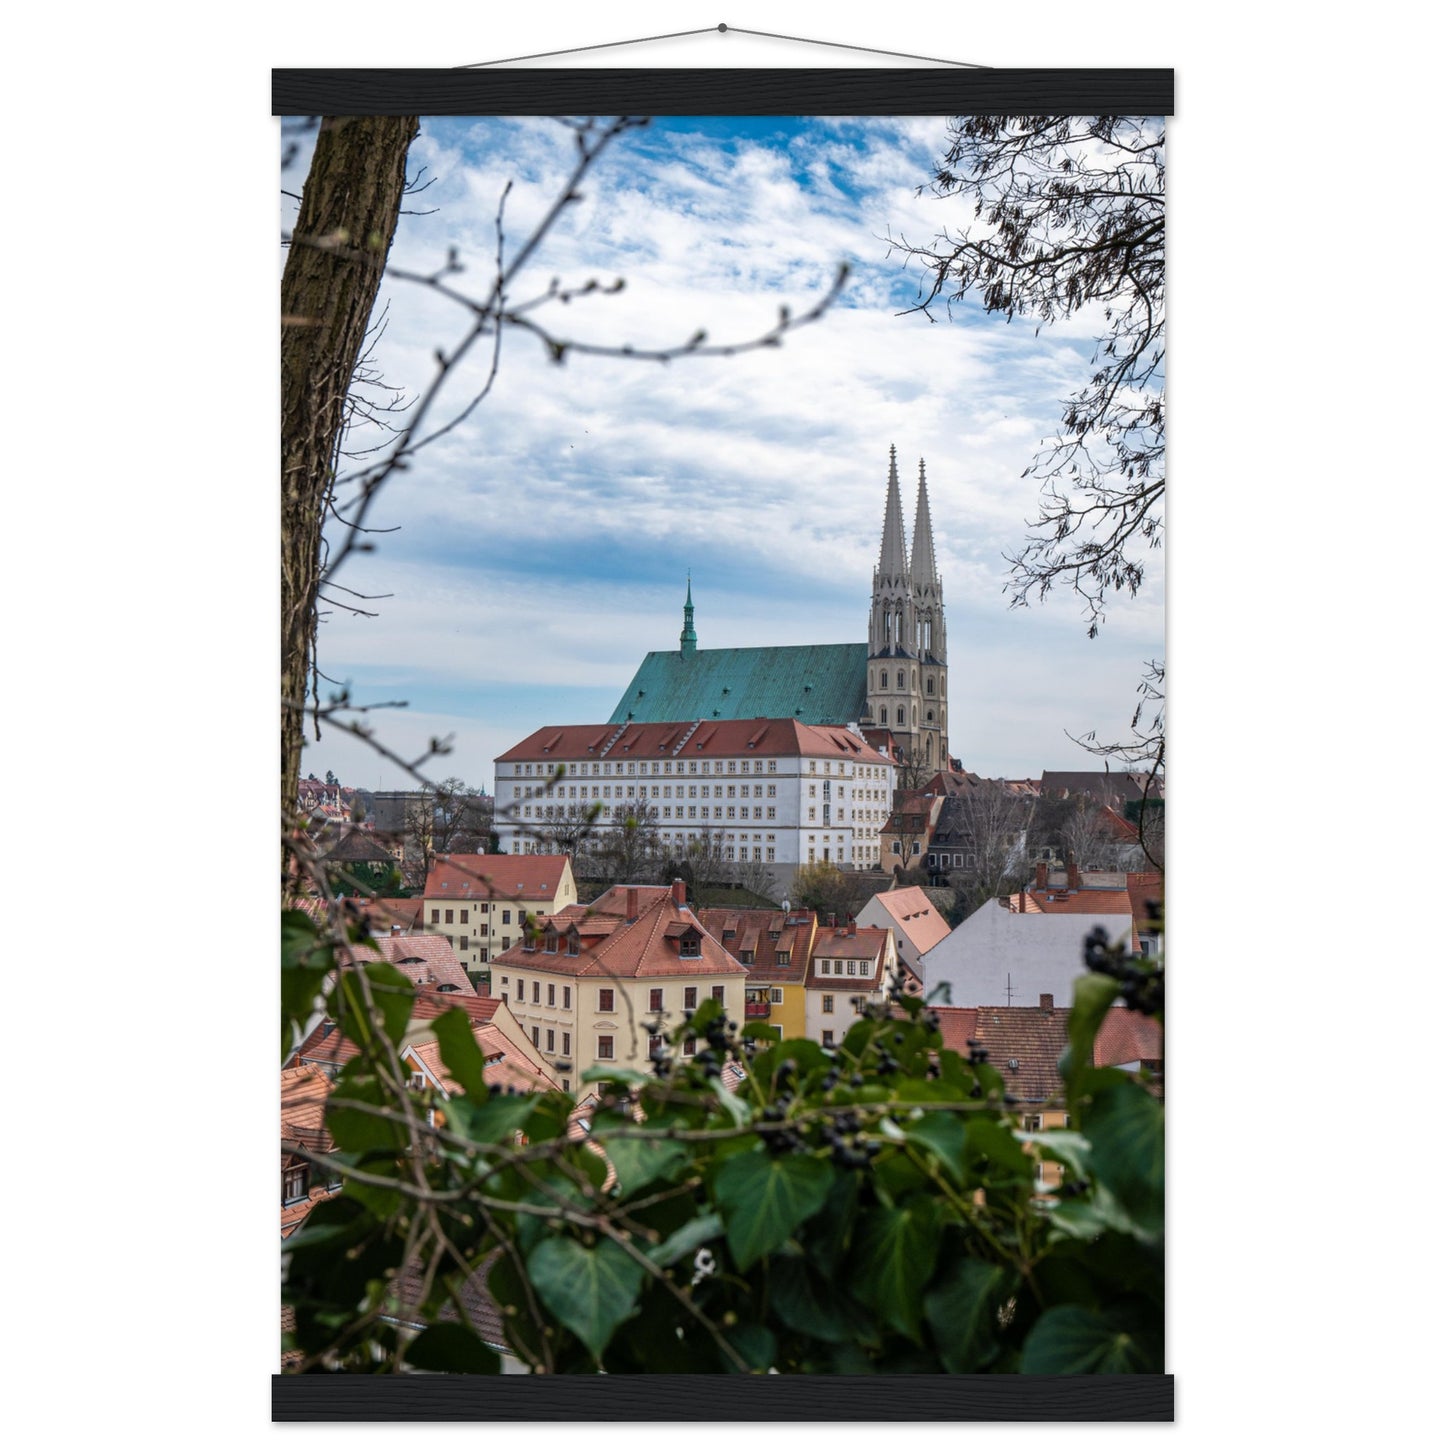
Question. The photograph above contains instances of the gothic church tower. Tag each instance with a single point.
(907, 643)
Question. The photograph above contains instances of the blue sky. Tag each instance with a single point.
(543, 547)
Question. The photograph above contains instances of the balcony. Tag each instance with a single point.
(757, 1008)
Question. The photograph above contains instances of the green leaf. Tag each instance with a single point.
(499, 1117)
(639, 1161)
(393, 995)
(1094, 993)
(591, 1291)
(962, 1310)
(757, 1344)
(805, 1304)
(451, 1348)
(942, 1135)
(1125, 1126)
(305, 962)
(1071, 1340)
(764, 1198)
(607, 1074)
(458, 1045)
(687, 1240)
(894, 1257)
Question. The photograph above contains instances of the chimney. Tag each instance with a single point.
(1073, 874)
(1041, 874)
(395, 929)
(679, 892)
(852, 926)
(832, 920)
(1046, 1002)
(632, 905)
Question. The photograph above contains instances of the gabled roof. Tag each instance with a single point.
(914, 915)
(640, 949)
(765, 933)
(304, 1091)
(358, 846)
(824, 683)
(690, 737)
(486, 877)
(1024, 1045)
(1111, 901)
(504, 1064)
(868, 944)
(1126, 1037)
(427, 959)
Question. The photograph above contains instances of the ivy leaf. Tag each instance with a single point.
(962, 1309)
(805, 1304)
(1071, 1340)
(392, 995)
(591, 1291)
(687, 1240)
(460, 1053)
(894, 1257)
(1125, 1126)
(764, 1198)
(639, 1161)
(1094, 993)
(943, 1136)
(451, 1348)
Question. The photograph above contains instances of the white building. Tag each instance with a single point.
(765, 790)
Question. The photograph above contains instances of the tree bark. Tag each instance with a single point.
(333, 271)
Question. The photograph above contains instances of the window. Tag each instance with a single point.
(654, 1000)
(827, 1038)
(463, 942)
(827, 1003)
(717, 992)
(465, 913)
(536, 991)
(552, 989)
(567, 1044)
(295, 1183)
(566, 996)
(689, 1047)
(506, 915)
(436, 915)
(449, 915)
(775, 995)
(689, 998)
(551, 1042)
(689, 946)
(604, 1003)
(504, 980)
(536, 1040)
(604, 1046)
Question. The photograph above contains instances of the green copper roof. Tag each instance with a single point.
(826, 683)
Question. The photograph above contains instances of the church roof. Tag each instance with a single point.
(825, 683)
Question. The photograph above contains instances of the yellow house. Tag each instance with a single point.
(479, 900)
(776, 949)
(586, 984)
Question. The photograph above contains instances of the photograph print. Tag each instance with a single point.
(723, 742)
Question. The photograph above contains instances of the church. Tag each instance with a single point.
(895, 681)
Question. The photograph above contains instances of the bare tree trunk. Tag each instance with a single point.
(333, 271)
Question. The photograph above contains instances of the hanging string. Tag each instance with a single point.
(721, 30)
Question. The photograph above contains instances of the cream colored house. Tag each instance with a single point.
(478, 900)
(851, 968)
(585, 984)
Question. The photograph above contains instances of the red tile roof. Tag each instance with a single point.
(1024, 1045)
(914, 914)
(957, 1025)
(764, 934)
(427, 959)
(530, 877)
(613, 947)
(1126, 1037)
(304, 1091)
(1083, 900)
(868, 944)
(721, 737)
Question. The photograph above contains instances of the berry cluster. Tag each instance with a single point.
(1141, 988)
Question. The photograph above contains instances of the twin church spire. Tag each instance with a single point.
(907, 644)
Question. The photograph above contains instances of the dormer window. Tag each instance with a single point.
(295, 1183)
(572, 945)
(689, 946)
(551, 942)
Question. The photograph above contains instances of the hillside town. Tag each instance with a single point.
(782, 831)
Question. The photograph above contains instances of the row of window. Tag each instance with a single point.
(440, 915)
(606, 997)
(855, 968)
(665, 769)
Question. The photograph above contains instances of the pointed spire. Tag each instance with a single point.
(892, 560)
(925, 569)
(688, 637)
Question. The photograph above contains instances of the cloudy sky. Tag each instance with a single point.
(535, 554)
